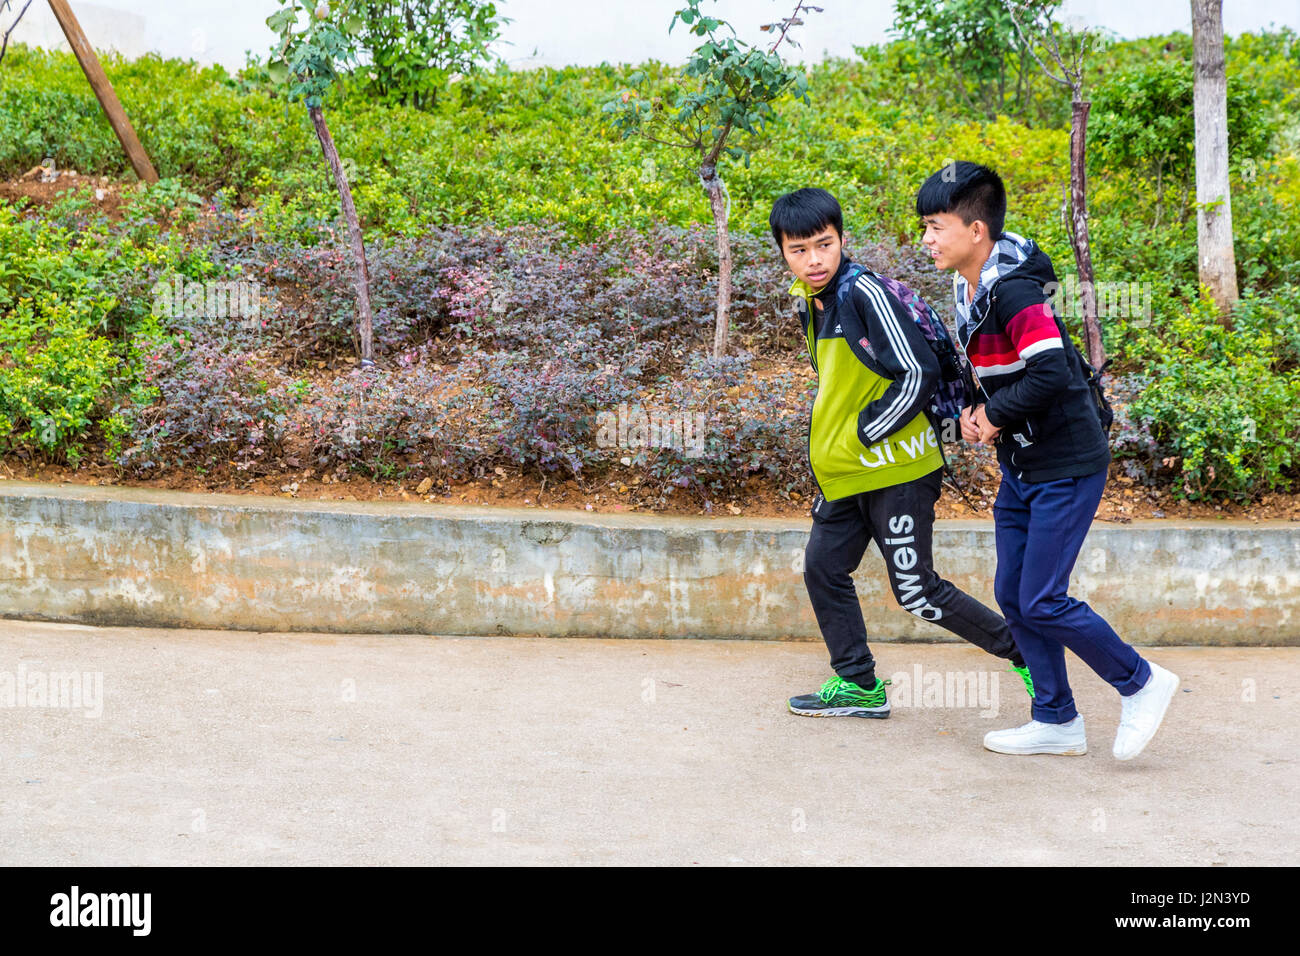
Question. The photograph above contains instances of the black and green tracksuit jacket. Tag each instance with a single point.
(876, 375)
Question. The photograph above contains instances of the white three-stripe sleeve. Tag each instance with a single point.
(889, 420)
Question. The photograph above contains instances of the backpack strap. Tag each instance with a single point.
(846, 281)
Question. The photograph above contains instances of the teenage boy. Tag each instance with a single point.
(1033, 402)
(874, 458)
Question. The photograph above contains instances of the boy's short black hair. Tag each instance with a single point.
(968, 190)
(804, 213)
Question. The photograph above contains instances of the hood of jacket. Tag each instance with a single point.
(1012, 255)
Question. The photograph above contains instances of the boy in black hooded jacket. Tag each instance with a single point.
(1033, 401)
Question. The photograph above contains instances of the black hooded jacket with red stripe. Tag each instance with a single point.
(1031, 379)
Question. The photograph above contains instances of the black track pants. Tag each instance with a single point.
(901, 520)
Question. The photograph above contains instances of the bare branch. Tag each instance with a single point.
(5, 46)
(1056, 52)
(793, 20)
(1072, 76)
(681, 144)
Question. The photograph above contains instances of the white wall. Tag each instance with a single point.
(557, 32)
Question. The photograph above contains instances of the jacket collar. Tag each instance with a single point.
(1006, 256)
(805, 291)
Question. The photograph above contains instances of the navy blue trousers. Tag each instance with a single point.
(1040, 529)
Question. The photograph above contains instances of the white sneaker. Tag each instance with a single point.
(1142, 712)
(1037, 737)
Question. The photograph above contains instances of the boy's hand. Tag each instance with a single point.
(969, 430)
(987, 430)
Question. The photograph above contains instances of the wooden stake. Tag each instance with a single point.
(108, 100)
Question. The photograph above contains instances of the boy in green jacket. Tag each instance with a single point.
(874, 457)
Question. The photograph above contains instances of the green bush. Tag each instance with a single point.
(1143, 118)
(1225, 400)
(415, 47)
(55, 375)
(75, 304)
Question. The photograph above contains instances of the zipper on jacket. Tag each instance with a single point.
(965, 350)
(808, 335)
(992, 301)
(810, 304)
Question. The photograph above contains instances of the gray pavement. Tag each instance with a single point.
(223, 747)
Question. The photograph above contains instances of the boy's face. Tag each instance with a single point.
(952, 243)
(815, 258)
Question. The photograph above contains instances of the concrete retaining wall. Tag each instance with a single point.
(130, 556)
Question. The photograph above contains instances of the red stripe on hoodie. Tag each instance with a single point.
(1032, 324)
(992, 349)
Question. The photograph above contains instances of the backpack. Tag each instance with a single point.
(950, 395)
(1093, 375)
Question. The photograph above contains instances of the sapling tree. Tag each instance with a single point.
(726, 85)
(1067, 51)
(305, 63)
(976, 42)
(415, 48)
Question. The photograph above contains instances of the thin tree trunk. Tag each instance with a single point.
(1160, 192)
(1021, 109)
(1079, 229)
(1218, 264)
(1002, 91)
(718, 202)
(360, 271)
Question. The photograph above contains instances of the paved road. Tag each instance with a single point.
(220, 747)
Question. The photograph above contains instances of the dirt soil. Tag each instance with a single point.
(44, 187)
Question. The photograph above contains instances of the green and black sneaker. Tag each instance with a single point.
(1024, 676)
(842, 698)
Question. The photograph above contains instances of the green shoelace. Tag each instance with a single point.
(838, 685)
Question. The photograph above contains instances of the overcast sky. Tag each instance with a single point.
(558, 32)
